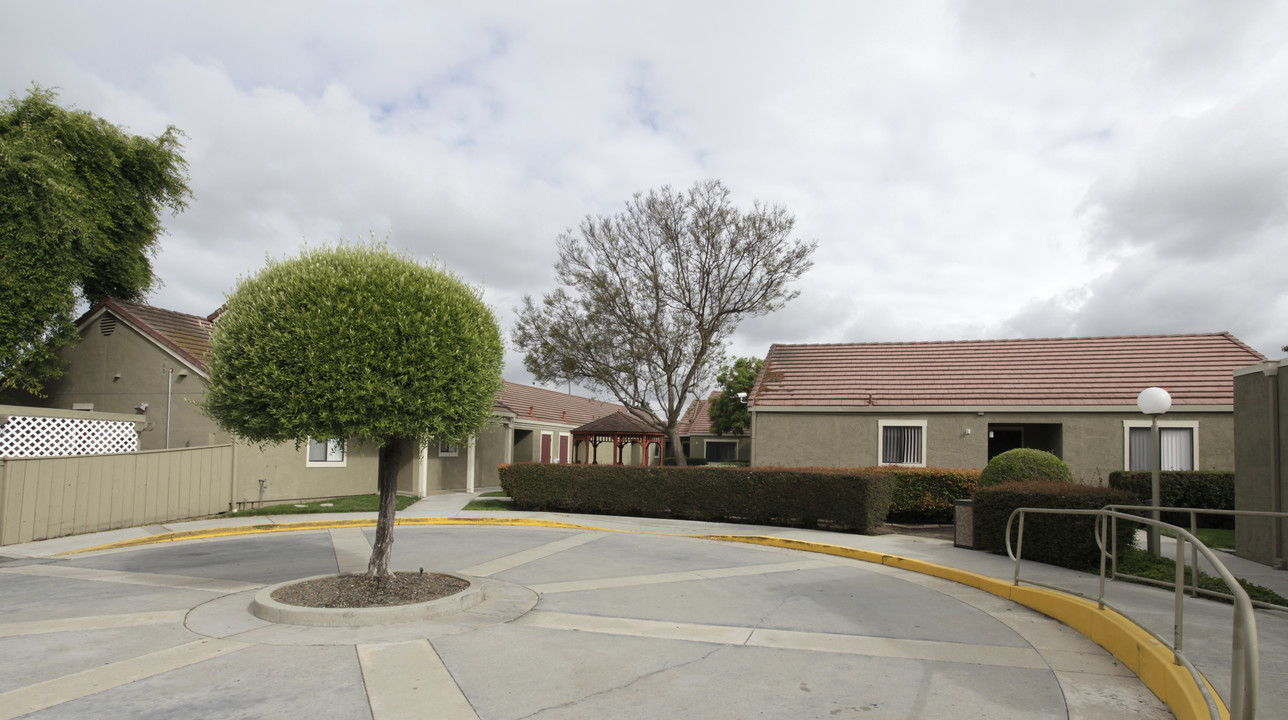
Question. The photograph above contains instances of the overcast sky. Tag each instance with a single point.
(970, 170)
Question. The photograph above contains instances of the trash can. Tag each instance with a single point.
(964, 524)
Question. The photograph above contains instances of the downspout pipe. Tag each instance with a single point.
(169, 394)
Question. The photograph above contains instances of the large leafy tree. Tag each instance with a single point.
(360, 343)
(649, 297)
(728, 412)
(80, 214)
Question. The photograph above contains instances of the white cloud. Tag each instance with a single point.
(969, 169)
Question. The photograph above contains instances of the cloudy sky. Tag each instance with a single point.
(969, 169)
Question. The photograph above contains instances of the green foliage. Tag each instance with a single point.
(691, 460)
(926, 494)
(649, 297)
(1025, 465)
(352, 503)
(1212, 489)
(1141, 563)
(354, 342)
(490, 503)
(1064, 540)
(841, 499)
(80, 205)
(728, 413)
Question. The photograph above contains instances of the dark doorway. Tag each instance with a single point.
(1039, 436)
(1001, 439)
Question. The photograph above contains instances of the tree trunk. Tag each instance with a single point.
(387, 472)
(677, 448)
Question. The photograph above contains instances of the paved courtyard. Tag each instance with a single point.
(577, 624)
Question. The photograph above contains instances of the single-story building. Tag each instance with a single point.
(698, 440)
(151, 364)
(958, 404)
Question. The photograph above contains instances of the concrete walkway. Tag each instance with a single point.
(626, 620)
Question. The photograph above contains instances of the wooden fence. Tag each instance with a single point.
(43, 498)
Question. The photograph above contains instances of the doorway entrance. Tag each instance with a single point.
(1039, 436)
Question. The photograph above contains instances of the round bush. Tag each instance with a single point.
(1025, 465)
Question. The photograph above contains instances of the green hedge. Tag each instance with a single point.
(1025, 465)
(691, 461)
(1067, 541)
(926, 495)
(1212, 489)
(855, 500)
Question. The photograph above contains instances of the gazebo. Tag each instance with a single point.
(620, 429)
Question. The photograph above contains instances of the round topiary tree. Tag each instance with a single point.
(355, 342)
(1025, 465)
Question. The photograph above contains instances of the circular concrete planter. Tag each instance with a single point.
(265, 607)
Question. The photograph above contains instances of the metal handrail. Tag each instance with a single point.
(1244, 668)
(1194, 588)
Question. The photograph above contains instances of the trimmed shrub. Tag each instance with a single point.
(842, 499)
(1025, 465)
(692, 461)
(1064, 540)
(1212, 489)
(926, 495)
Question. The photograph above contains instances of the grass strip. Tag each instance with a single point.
(1212, 537)
(491, 501)
(353, 503)
(1135, 561)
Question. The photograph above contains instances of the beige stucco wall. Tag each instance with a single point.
(143, 368)
(144, 371)
(1261, 401)
(1093, 444)
(289, 478)
(491, 453)
(698, 443)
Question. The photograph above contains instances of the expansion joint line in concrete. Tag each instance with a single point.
(1138, 650)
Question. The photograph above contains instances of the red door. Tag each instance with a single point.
(545, 448)
(563, 448)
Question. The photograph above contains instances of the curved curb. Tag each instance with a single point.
(1132, 645)
(266, 608)
(324, 525)
(1135, 647)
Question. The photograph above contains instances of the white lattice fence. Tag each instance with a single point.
(28, 436)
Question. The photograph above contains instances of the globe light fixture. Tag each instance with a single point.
(1154, 401)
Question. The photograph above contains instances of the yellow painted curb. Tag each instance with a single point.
(1151, 660)
(320, 525)
(1135, 647)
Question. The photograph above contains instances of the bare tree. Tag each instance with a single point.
(649, 297)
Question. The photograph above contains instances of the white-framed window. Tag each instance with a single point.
(1179, 440)
(448, 449)
(720, 450)
(325, 453)
(901, 442)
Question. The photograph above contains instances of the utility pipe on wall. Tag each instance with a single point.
(169, 393)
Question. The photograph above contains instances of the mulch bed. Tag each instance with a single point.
(359, 591)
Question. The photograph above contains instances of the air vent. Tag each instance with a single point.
(107, 324)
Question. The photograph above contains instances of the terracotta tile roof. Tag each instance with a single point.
(188, 336)
(696, 420)
(524, 401)
(619, 422)
(1196, 369)
(697, 417)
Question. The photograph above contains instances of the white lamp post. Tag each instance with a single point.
(1154, 401)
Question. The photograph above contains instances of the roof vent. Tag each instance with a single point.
(107, 325)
